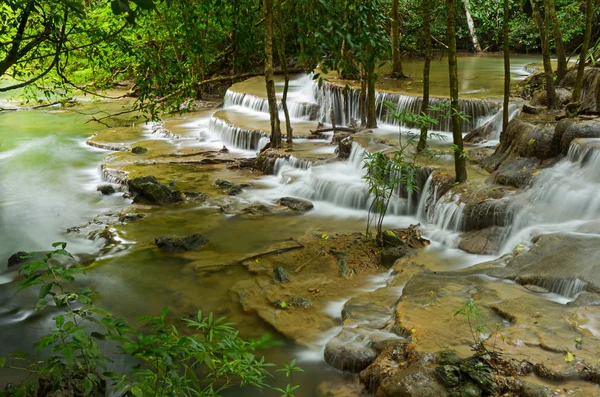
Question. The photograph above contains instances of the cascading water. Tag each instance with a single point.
(237, 137)
(563, 197)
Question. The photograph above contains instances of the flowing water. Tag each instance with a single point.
(48, 179)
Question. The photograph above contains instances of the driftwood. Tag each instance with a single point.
(412, 236)
(344, 129)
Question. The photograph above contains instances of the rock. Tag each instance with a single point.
(348, 386)
(535, 288)
(447, 357)
(295, 204)
(572, 128)
(467, 389)
(391, 358)
(224, 150)
(481, 373)
(416, 381)
(532, 109)
(280, 275)
(265, 161)
(482, 133)
(298, 301)
(106, 189)
(148, 189)
(449, 375)
(17, 258)
(194, 242)
(234, 190)
(223, 183)
(139, 150)
(585, 299)
(130, 217)
(256, 210)
(348, 354)
(196, 196)
(390, 254)
(482, 242)
(532, 390)
(540, 98)
(590, 96)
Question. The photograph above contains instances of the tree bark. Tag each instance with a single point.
(471, 24)
(284, 66)
(460, 165)
(574, 105)
(397, 71)
(269, 81)
(543, 29)
(425, 103)
(505, 44)
(363, 99)
(561, 68)
(371, 111)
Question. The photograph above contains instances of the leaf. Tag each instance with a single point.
(59, 320)
(69, 354)
(98, 335)
(87, 386)
(569, 357)
(137, 392)
(2, 362)
(42, 303)
(62, 244)
(45, 290)
(283, 305)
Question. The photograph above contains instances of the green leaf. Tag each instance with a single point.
(42, 303)
(60, 320)
(2, 362)
(45, 290)
(69, 354)
(87, 386)
(137, 392)
(98, 335)
(62, 244)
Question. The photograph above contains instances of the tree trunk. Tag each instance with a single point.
(460, 165)
(561, 68)
(273, 113)
(505, 44)
(574, 105)
(395, 33)
(550, 87)
(371, 111)
(284, 66)
(425, 103)
(471, 24)
(363, 99)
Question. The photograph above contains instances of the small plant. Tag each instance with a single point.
(170, 363)
(289, 370)
(478, 326)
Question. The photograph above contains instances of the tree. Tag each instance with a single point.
(471, 24)
(573, 106)
(395, 36)
(545, 42)
(284, 66)
(269, 81)
(561, 58)
(425, 103)
(460, 165)
(505, 44)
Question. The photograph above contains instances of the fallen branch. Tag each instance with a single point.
(344, 129)
(45, 105)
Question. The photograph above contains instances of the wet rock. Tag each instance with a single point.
(148, 189)
(224, 150)
(390, 254)
(482, 242)
(344, 148)
(298, 301)
(572, 128)
(590, 96)
(447, 357)
(449, 375)
(532, 109)
(347, 354)
(391, 358)
(532, 390)
(256, 210)
(467, 389)
(585, 299)
(481, 373)
(17, 258)
(295, 204)
(106, 189)
(540, 98)
(280, 275)
(196, 196)
(265, 161)
(194, 242)
(482, 133)
(139, 150)
(536, 288)
(413, 382)
(517, 172)
(131, 217)
(234, 190)
(349, 386)
(223, 183)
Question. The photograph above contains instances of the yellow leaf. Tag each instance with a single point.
(413, 331)
(430, 292)
(568, 357)
(536, 173)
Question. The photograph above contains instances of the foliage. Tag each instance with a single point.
(478, 326)
(167, 361)
(386, 174)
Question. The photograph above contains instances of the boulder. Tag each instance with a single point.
(449, 375)
(569, 129)
(540, 98)
(346, 353)
(416, 381)
(590, 95)
(295, 204)
(480, 373)
(482, 242)
(194, 242)
(148, 189)
(17, 258)
(390, 254)
(234, 190)
(106, 189)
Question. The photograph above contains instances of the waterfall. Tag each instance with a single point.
(284, 164)
(564, 286)
(238, 137)
(567, 192)
(297, 109)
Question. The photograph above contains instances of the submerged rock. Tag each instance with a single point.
(196, 196)
(280, 275)
(17, 258)
(194, 242)
(148, 189)
(130, 217)
(106, 189)
(414, 382)
(295, 204)
(234, 190)
(223, 183)
(349, 355)
(298, 301)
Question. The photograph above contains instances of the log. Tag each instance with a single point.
(344, 129)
